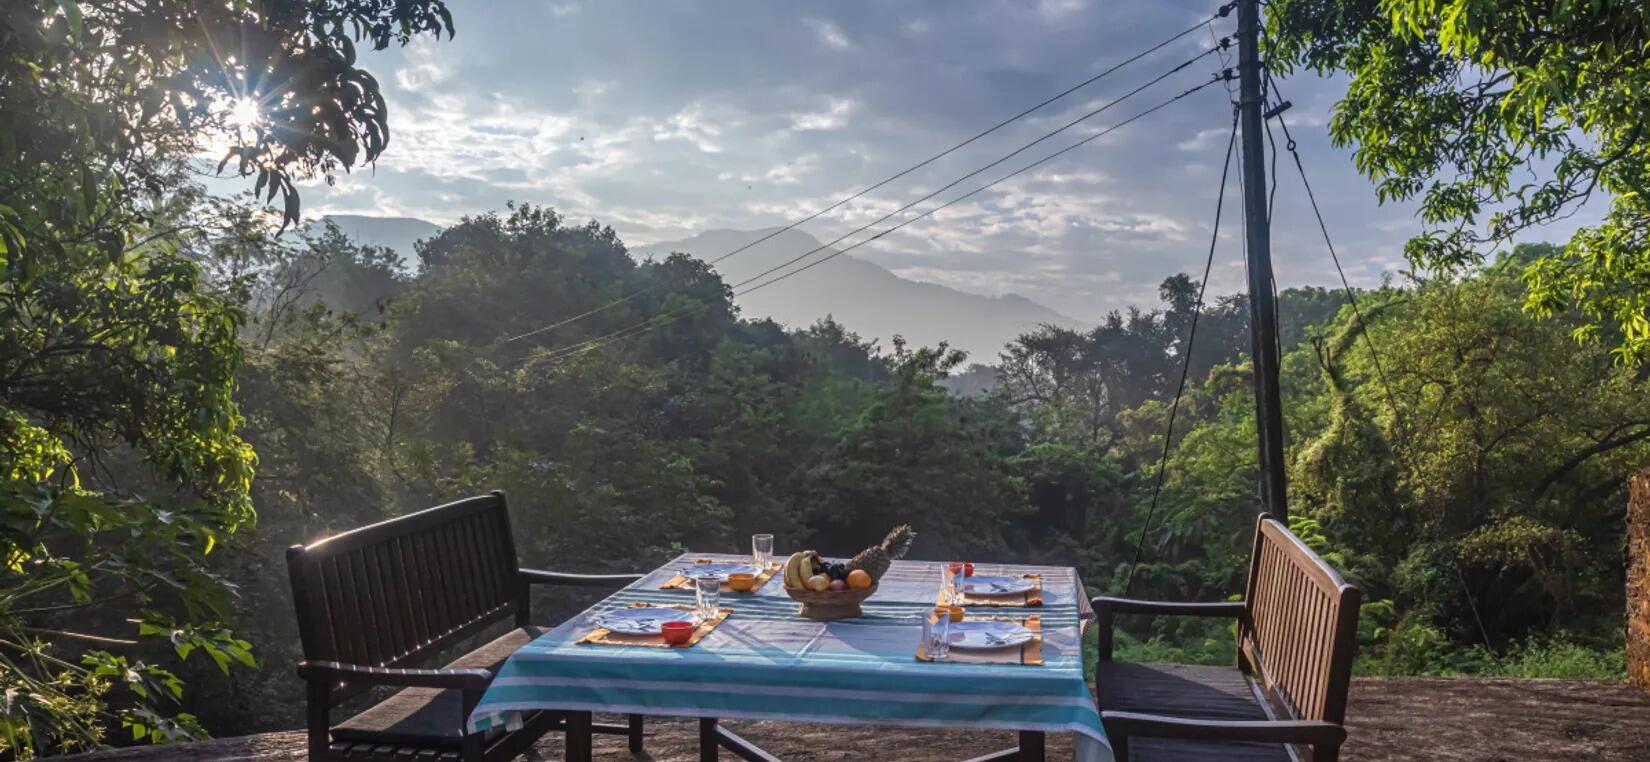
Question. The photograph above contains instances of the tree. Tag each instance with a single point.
(1455, 102)
(1483, 491)
(121, 460)
(915, 455)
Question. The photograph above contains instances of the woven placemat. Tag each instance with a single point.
(1030, 598)
(680, 582)
(1029, 653)
(601, 636)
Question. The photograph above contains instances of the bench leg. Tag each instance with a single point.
(579, 744)
(636, 733)
(1031, 746)
(710, 746)
(318, 718)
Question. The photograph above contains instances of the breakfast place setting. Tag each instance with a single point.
(869, 638)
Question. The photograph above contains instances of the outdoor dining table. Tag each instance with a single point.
(764, 662)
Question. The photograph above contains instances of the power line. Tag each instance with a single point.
(1222, 11)
(1346, 286)
(1185, 363)
(670, 315)
(954, 183)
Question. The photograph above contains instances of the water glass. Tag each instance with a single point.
(936, 633)
(954, 584)
(707, 597)
(762, 550)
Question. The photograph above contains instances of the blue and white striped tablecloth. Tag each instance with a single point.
(766, 663)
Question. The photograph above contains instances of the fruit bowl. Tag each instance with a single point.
(830, 604)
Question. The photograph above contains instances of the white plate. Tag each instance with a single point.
(987, 633)
(642, 621)
(717, 571)
(988, 585)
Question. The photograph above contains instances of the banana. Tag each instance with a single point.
(793, 569)
(799, 567)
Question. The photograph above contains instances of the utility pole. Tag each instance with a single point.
(1263, 307)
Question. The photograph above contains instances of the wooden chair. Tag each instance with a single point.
(377, 604)
(1285, 699)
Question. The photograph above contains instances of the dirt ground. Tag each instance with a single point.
(1443, 719)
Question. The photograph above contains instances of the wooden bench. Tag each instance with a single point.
(1285, 698)
(377, 605)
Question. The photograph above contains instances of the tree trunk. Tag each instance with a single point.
(1638, 579)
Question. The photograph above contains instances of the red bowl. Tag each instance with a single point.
(677, 633)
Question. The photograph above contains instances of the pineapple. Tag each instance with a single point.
(876, 559)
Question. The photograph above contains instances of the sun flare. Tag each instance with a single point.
(244, 113)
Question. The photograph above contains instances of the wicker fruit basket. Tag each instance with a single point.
(827, 604)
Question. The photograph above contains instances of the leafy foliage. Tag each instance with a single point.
(122, 465)
(1451, 102)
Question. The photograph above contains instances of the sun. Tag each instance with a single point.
(244, 113)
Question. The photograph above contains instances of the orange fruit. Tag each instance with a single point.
(859, 579)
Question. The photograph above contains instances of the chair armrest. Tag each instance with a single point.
(540, 577)
(1232, 609)
(1314, 732)
(1106, 608)
(460, 679)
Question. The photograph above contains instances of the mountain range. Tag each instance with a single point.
(398, 233)
(863, 296)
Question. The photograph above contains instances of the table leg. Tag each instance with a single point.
(1031, 746)
(579, 745)
(709, 745)
(636, 733)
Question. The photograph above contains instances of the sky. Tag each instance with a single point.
(666, 119)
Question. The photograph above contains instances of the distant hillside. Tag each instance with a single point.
(865, 297)
(398, 233)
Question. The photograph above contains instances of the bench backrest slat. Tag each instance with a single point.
(395, 592)
(1301, 628)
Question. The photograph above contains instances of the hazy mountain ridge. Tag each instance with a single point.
(862, 295)
(398, 233)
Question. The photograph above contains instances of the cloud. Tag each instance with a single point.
(830, 35)
(833, 117)
(1205, 140)
(666, 119)
(425, 65)
(693, 126)
(1061, 8)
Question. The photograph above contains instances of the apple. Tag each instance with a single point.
(818, 583)
(839, 585)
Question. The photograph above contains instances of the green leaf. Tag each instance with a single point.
(71, 14)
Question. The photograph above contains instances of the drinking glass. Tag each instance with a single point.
(936, 633)
(954, 586)
(707, 597)
(762, 550)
